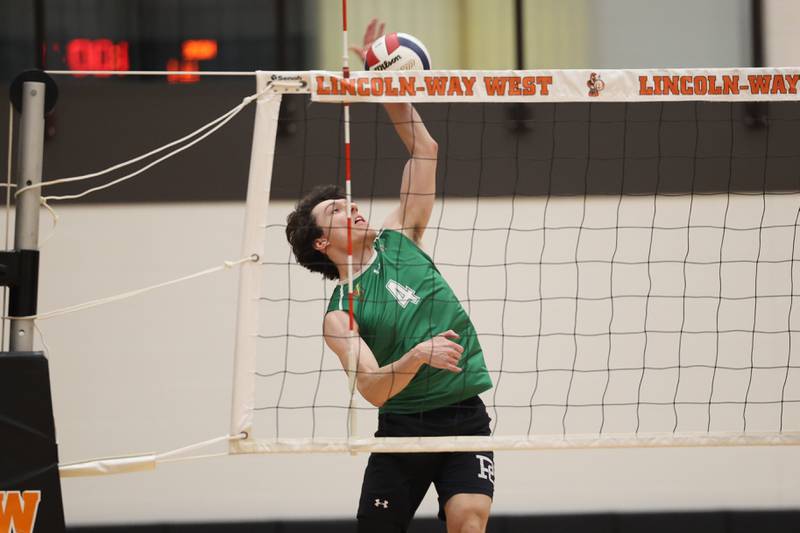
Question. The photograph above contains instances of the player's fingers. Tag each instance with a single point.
(454, 368)
(380, 29)
(450, 357)
(450, 334)
(447, 359)
(453, 346)
(369, 33)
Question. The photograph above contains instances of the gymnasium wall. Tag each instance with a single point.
(154, 373)
(558, 34)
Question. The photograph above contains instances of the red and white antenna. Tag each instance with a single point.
(352, 363)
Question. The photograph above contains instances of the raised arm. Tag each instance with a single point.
(418, 185)
(377, 384)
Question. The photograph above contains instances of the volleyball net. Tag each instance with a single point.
(624, 242)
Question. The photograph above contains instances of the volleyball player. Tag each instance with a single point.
(419, 359)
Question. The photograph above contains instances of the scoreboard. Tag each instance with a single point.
(82, 54)
(156, 35)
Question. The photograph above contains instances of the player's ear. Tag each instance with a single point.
(321, 244)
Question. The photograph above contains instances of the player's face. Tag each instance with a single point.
(331, 216)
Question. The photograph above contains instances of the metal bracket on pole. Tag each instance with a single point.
(33, 93)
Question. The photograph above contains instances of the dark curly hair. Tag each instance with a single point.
(302, 230)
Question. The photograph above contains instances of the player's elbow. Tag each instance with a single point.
(369, 394)
(373, 399)
(376, 403)
(427, 148)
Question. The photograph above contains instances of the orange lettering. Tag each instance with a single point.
(513, 86)
(436, 85)
(469, 82)
(495, 86)
(528, 85)
(544, 84)
(363, 86)
(321, 89)
(713, 88)
(19, 512)
(455, 87)
(348, 87)
(391, 90)
(759, 84)
(669, 85)
(408, 86)
(376, 84)
(685, 88)
(730, 84)
(778, 85)
(644, 89)
(792, 80)
(700, 84)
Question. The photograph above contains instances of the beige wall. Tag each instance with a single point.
(465, 34)
(557, 33)
(781, 47)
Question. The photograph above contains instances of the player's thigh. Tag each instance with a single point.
(469, 473)
(393, 487)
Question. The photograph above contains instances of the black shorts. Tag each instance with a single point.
(395, 483)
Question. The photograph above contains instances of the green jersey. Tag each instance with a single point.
(399, 300)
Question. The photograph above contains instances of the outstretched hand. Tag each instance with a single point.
(373, 31)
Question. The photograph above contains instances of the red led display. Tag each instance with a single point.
(97, 54)
(106, 55)
(192, 52)
(199, 49)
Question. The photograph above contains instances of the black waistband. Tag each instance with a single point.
(467, 417)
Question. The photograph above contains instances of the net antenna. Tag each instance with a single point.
(352, 358)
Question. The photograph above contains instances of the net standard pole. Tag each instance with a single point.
(26, 224)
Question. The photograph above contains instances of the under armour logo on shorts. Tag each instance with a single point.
(486, 468)
(381, 503)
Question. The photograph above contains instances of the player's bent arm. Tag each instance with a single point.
(418, 186)
(377, 384)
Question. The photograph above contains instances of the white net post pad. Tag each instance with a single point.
(258, 189)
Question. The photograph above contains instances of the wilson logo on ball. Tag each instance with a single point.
(397, 51)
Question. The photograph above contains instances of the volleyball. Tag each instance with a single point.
(397, 51)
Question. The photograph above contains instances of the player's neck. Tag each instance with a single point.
(363, 253)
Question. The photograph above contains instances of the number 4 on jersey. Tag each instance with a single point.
(401, 293)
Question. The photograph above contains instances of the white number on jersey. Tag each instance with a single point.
(401, 293)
